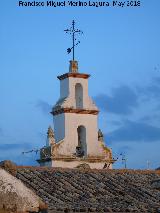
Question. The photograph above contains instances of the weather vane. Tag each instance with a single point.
(72, 31)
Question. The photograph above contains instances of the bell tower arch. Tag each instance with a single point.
(81, 149)
(79, 96)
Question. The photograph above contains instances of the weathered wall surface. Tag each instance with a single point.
(72, 121)
(15, 196)
(74, 164)
(67, 89)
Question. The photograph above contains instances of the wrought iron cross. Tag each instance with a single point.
(72, 31)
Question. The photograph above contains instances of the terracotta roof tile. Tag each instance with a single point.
(93, 190)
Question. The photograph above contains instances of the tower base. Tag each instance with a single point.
(71, 162)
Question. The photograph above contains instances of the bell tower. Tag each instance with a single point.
(75, 114)
(76, 135)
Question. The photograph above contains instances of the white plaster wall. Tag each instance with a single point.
(73, 164)
(72, 122)
(67, 89)
(15, 195)
(70, 136)
(59, 128)
(64, 88)
(66, 124)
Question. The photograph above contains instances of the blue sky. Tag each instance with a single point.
(120, 48)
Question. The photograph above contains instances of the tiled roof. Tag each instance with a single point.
(73, 190)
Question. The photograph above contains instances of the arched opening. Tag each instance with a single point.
(79, 95)
(81, 149)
